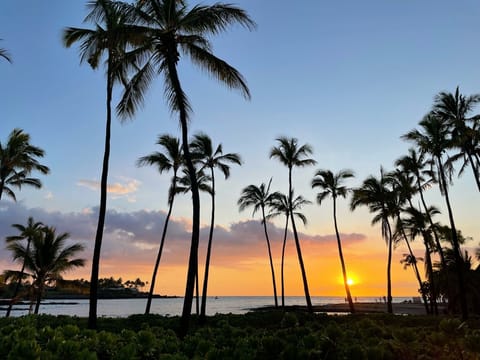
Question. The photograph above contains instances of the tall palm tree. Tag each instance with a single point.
(27, 232)
(455, 110)
(416, 222)
(18, 158)
(402, 185)
(171, 29)
(260, 198)
(279, 206)
(290, 154)
(206, 157)
(415, 163)
(378, 198)
(331, 185)
(110, 39)
(48, 258)
(4, 54)
(434, 139)
(170, 159)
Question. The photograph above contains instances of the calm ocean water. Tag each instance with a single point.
(172, 307)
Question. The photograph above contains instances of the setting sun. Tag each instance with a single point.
(350, 282)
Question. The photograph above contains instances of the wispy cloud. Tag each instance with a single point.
(125, 188)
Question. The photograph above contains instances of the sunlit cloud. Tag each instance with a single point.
(125, 188)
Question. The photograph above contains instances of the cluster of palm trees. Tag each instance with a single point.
(446, 135)
(140, 40)
(273, 204)
(44, 257)
(205, 157)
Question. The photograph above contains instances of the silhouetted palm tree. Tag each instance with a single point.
(26, 233)
(170, 159)
(415, 163)
(280, 206)
(331, 184)
(416, 223)
(290, 154)
(260, 198)
(455, 110)
(434, 139)
(4, 54)
(206, 157)
(18, 159)
(170, 30)
(110, 38)
(378, 198)
(48, 257)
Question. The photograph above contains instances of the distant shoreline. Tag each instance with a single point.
(403, 308)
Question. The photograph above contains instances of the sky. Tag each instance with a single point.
(347, 77)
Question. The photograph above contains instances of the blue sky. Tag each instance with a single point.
(347, 77)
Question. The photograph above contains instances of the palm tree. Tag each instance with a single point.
(455, 109)
(4, 54)
(48, 257)
(331, 184)
(290, 154)
(375, 194)
(110, 39)
(279, 206)
(170, 159)
(415, 163)
(27, 232)
(204, 155)
(402, 185)
(434, 139)
(259, 197)
(417, 223)
(18, 158)
(170, 29)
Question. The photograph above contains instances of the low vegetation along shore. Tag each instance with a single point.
(255, 335)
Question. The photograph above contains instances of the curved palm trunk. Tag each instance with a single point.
(19, 282)
(209, 252)
(283, 259)
(475, 170)
(39, 297)
(2, 185)
(456, 245)
(430, 221)
(389, 270)
(342, 261)
(297, 243)
(92, 314)
(197, 293)
(270, 257)
(159, 255)
(192, 271)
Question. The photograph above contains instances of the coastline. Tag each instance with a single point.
(403, 308)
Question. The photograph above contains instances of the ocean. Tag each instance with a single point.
(173, 306)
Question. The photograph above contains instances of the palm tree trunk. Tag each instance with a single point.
(2, 185)
(197, 293)
(209, 252)
(456, 245)
(433, 295)
(389, 269)
(192, 271)
(92, 314)
(297, 243)
(270, 257)
(342, 261)
(283, 260)
(19, 282)
(435, 234)
(159, 256)
(475, 170)
(39, 296)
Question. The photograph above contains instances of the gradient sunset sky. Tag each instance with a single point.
(348, 77)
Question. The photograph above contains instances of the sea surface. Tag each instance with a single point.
(173, 306)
